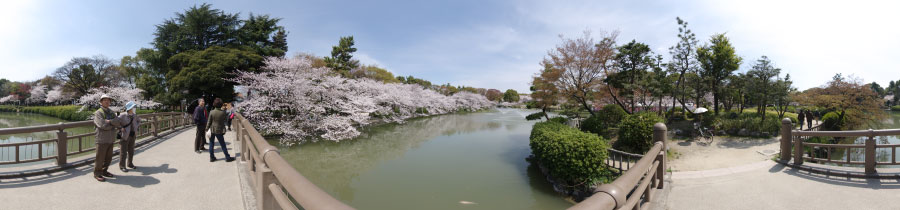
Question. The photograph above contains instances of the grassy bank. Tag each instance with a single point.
(65, 112)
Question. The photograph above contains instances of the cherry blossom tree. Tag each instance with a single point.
(57, 95)
(294, 99)
(8, 98)
(38, 94)
(121, 95)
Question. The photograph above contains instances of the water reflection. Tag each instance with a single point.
(12, 120)
(858, 154)
(478, 157)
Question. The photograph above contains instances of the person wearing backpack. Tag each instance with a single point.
(129, 133)
(106, 126)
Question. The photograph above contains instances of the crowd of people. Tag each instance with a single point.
(126, 127)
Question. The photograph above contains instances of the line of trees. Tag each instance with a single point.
(587, 72)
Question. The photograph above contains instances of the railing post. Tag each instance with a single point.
(264, 198)
(870, 153)
(798, 151)
(786, 126)
(61, 146)
(240, 138)
(659, 135)
(154, 126)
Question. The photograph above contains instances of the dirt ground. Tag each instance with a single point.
(723, 152)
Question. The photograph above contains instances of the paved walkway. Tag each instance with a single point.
(768, 185)
(169, 176)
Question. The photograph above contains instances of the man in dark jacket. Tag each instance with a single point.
(801, 118)
(200, 117)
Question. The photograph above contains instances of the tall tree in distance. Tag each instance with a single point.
(341, 59)
(195, 30)
(81, 74)
(633, 61)
(584, 65)
(543, 87)
(511, 96)
(763, 80)
(683, 61)
(718, 61)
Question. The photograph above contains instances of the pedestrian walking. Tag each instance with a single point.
(216, 126)
(200, 119)
(809, 118)
(106, 126)
(229, 111)
(129, 133)
(801, 118)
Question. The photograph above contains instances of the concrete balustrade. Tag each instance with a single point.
(793, 141)
(637, 185)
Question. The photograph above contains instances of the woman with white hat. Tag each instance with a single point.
(129, 132)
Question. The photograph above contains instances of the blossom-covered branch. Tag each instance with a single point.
(299, 101)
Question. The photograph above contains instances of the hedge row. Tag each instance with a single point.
(66, 112)
(751, 124)
(570, 155)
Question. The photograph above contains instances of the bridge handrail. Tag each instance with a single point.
(792, 145)
(157, 122)
(273, 176)
(637, 184)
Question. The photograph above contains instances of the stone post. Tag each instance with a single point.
(264, 198)
(870, 153)
(786, 126)
(62, 146)
(659, 135)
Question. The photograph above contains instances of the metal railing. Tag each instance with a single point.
(792, 141)
(32, 151)
(638, 184)
(621, 160)
(275, 183)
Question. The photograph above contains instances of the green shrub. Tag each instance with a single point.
(560, 120)
(832, 121)
(604, 121)
(752, 123)
(535, 116)
(636, 132)
(895, 108)
(570, 155)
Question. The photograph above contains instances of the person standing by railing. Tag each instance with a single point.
(106, 126)
(129, 133)
(216, 126)
(200, 119)
(801, 117)
(229, 111)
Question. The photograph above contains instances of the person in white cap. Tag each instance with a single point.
(107, 125)
(129, 133)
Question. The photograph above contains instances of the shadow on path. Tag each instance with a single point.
(89, 168)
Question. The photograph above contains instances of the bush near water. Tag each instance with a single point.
(636, 132)
(570, 155)
(605, 121)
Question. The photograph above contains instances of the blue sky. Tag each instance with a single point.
(491, 44)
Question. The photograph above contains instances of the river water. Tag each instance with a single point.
(439, 162)
(12, 119)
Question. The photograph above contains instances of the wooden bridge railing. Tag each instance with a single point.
(276, 184)
(792, 141)
(32, 151)
(638, 184)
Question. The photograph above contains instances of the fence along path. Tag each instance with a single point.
(169, 176)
